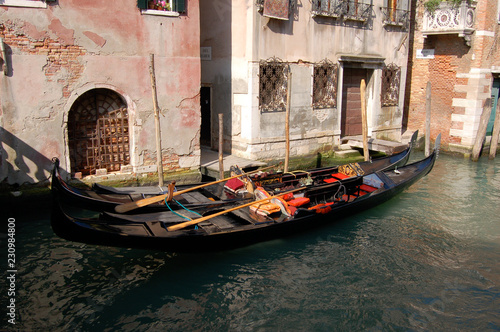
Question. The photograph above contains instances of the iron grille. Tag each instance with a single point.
(348, 9)
(113, 141)
(273, 85)
(325, 85)
(98, 132)
(391, 77)
(395, 16)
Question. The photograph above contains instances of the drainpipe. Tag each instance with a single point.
(5, 69)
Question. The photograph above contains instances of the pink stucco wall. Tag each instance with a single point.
(56, 54)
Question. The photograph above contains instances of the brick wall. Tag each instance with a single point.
(60, 56)
(460, 75)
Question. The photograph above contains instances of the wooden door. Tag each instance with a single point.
(351, 101)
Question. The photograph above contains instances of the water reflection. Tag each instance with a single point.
(426, 260)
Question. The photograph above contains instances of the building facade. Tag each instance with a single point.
(250, 47)
(456, 49)
(76, 85)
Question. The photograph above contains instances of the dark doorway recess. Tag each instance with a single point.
(98, 132)
(206, 115)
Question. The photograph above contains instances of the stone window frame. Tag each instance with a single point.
(25, 3)
(391, 84)
(145, 10)
(325, 81)
(498, 12)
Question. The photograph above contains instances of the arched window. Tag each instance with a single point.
(98, 132)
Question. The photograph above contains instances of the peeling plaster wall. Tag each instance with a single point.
(56, 54)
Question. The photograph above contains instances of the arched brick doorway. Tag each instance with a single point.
(98, 132)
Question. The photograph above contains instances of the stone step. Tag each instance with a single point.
(387, 147)
(345, 147)
(347, 153)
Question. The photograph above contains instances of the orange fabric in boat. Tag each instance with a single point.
(322, 208)
(299, 201)
(265, 208)
(340, 176)
(367, 188)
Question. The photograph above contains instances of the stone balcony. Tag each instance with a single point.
(450, 19)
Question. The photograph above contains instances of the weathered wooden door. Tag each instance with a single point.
(351, 101)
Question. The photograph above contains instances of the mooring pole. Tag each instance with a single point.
(364, 120)
(481, 131)
(221, 146)
(287, 120)
(496, 133)
(159, 159)
(428, 120)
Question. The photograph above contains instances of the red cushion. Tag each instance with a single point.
(340, 176)
(234, 184)
(299, 201)
(367, 188)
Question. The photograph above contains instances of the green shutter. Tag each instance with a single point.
(142, 4)
(180, 6)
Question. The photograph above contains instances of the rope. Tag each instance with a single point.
(181, 215)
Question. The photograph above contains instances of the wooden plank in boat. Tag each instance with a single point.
(195, 197)
(222, 223)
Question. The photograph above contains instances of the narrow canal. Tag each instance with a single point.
(426, 260)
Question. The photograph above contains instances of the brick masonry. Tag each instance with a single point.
(461, 78)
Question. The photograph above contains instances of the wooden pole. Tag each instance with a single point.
(287, 120)
(159, 159)
(221, 146)
(364, 120)
(481, 131)
(428, 120)
(496, 133)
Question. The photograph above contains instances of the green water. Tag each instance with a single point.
(426, 260)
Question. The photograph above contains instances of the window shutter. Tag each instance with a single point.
(142, 4)
(180, 6)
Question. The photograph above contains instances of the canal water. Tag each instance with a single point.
(426, 260)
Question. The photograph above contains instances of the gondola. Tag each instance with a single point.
(276, 212)
(104, 198)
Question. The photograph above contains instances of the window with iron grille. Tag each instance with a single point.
(325, 85)
(396, 12)
(359, 10)
(391, 78)
(273, 85)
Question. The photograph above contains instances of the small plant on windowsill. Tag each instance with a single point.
(159, 5)
(432, 5)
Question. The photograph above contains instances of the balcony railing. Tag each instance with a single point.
(396, 17)
(348, 10)
(450, 19)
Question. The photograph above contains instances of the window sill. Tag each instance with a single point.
(394, 24)
(159, 12)
(325, 14)
(23, 3)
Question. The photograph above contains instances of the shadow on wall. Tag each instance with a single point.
(20, 163)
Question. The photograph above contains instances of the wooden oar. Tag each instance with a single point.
(198, 220)
(125, 207)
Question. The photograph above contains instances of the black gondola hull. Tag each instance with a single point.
(149, 234)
